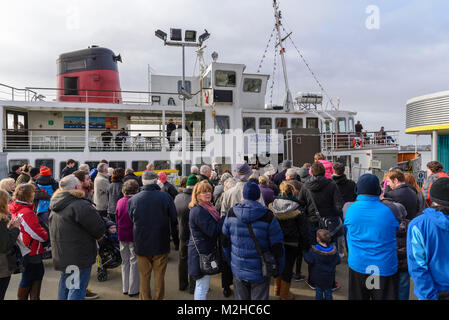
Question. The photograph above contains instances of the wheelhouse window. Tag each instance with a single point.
(207, 81)
(139, 165)
(75, 65)
(225, 78)
(252, 85)
(49, 163)
(161, 164)
(297, 123)
(328, 126)
(281, 123)
(249, 123)
(117, 164)
(188, 86)
(311, 123)
(221, 124)
(341, 125)
(265, 123)
(351, 125)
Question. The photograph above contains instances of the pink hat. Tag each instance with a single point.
(162, 176)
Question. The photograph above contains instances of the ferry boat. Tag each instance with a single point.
(226, 115)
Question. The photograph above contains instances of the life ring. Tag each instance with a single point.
(357, 143)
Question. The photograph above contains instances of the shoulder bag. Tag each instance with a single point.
(209, 263)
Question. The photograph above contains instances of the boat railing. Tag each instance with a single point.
(353, 141)
(35, 140)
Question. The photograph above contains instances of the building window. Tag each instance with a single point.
(139, 165)
(297, 123)
(341, 125)
(221, 124)
(311, 123)
(265, 123)
(281, 123)
(252, 85)
(161, 164)
(225, 78)
(249, 123)
(207, 81)
(187, 86)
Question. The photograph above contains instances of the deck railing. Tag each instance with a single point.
(366, 140)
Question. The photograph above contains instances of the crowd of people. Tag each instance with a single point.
(248, 225)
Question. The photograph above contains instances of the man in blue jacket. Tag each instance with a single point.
(240, 250)
(428, 246)
(153, 214)
(371, 234)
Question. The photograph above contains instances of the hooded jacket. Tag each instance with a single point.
(326, 196)
(75, 226)
(31, 232)
(293, 223)
(322, 262)
(238, 246)
(427, 249)
(346, 187)
(327, 167)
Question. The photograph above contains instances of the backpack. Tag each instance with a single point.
(44, 205)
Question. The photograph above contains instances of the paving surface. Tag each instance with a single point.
(112, 288)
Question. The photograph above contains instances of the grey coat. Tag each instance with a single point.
(75, 226)
(114, 194)
(101, 185)
(233, 196)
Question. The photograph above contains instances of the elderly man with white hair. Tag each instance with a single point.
(84, 167)
(194, 170)
(154, 217)
(75, 226)
(205, 174)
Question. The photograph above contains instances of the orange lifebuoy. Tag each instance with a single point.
(357, 143)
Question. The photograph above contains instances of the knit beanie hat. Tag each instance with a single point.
(439, 191)
(191, 180)
(45, 171)
(251, 191)
(162, 176)
(34, 171)
(368, 184)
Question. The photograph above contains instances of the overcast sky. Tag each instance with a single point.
(373, 71)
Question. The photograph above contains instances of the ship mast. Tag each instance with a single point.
(288, 101)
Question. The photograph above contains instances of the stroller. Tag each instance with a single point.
(108, 256)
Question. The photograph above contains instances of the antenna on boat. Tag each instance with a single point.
(288, 101)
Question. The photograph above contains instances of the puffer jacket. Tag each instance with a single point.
(322, 262)
(7, 241)
(327, 167)
(31, 232)
(292, 220)
(75, 226)
(238, 246)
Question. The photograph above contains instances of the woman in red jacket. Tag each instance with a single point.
(32, 235)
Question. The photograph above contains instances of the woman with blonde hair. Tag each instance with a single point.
(286, 208)
(411, 181)
(9, 232)
(8, 185)
(328, 166)
(33, 238)
(205, 227)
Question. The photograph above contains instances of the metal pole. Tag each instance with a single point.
(86, 137)
(434, 145)
(183, 117)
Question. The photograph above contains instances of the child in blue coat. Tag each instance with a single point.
(323, 258)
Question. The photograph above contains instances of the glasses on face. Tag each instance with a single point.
(206, 192)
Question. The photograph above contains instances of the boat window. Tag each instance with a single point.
(92, 164)
(311, 123)
(281, 123)
(249, 123)
(187, 86)
(341, 125)
(265, 123)
(252, 85)
(207, 81)
(178, 166)
(49, 163)
(224, 78)
(351, 125)
(139, 165)
(221, 124)
(328, 126)
(117, 164)
(62, 165)
(171, 102)
(71, 86)
(17, 162)
(203, 160)
(75, 65)
(297, 123)
(161, 164)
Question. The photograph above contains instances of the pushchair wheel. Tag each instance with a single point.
(102, 275)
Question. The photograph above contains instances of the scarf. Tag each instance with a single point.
(210, 207)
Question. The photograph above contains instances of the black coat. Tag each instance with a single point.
(346, 187)
(170, 189)
(153, 214)
(182, 201)
(132, 176)
(405, 195)
(67, 171)
(327, 198)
